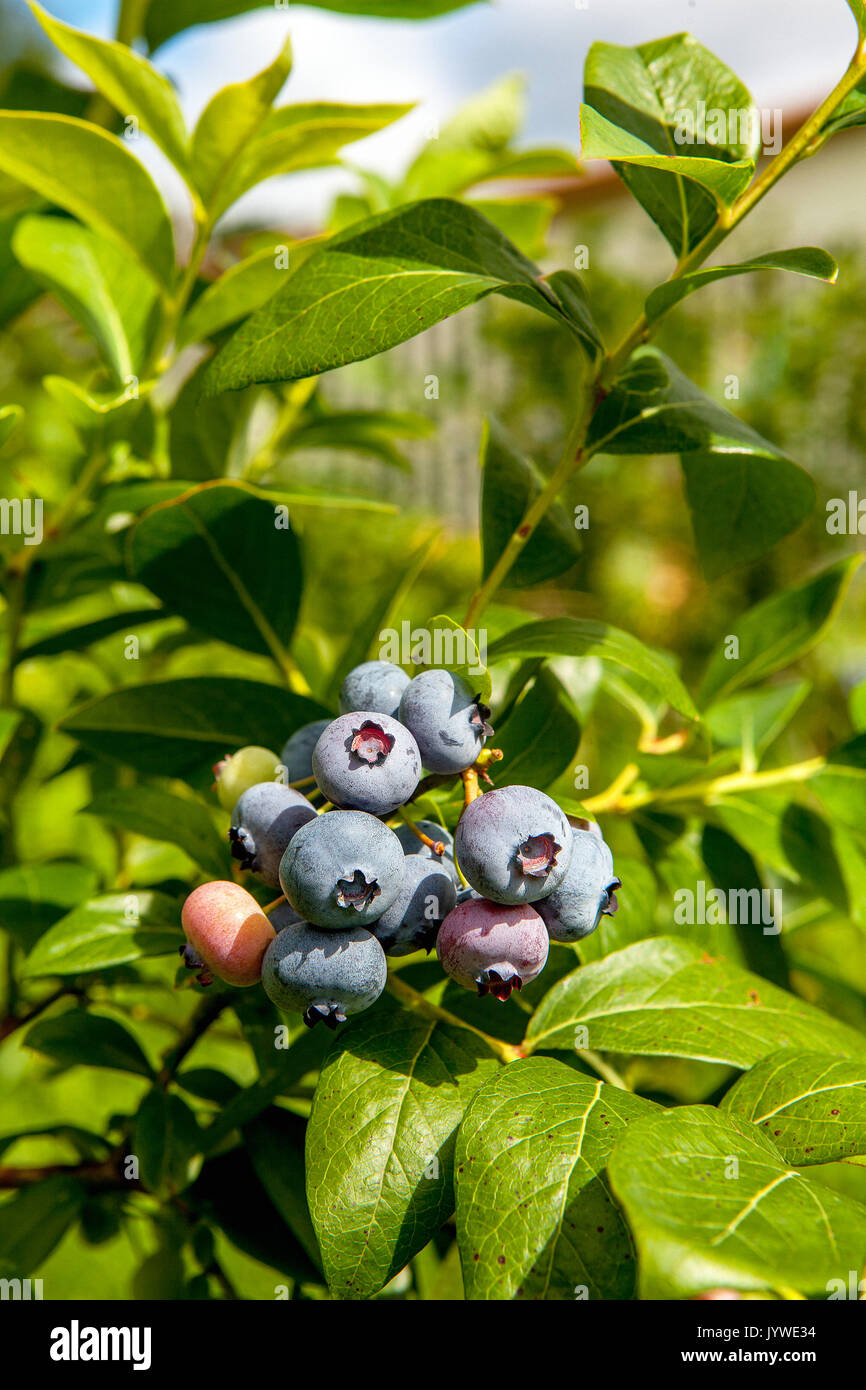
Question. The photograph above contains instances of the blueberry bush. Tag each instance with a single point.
(376, 924)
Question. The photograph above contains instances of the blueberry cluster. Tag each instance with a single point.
(355, 889)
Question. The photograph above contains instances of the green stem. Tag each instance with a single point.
(604, 1069)
(130, 21)
(722, 786)
(416, 1003)
(570, 461)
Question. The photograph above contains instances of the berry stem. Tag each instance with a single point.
(304, 782)
(417, 1003)
(269, 907)
(437, 846)
(471, 789)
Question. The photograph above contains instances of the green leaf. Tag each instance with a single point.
(35, 1220)
(159, 815)
(535, 1218)
(305, 136)
(742, 505)
(733, 871)
(231, 119)
(841, 785)
(540, 737)
(807, 842)
(96, 283)
(165, 1139)
(509, 484)
(602, 139)
(91, 174)
(810, 261)
(858, 9)
(849, 113)
(812, 1107)
(107, 931)
(9, 417)
(170, 727)
(240, 290)
(365, 431)
(585, 637)
(711, 1202)
(666, 997)
(84, 1142)
(777, 631)
(78, 638)
(756, 719)
(380, 1142)
(34, 896)
(470, 145)
(218, 556)
(654, 408)
(375, 285)
(275, 1144)
(165, 18)
(744, 493)
(84, 1039)
(638, 103)
(128, 81)
(17, 288)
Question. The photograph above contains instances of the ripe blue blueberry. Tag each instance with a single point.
(366, 761)
(427, 894)
(513, 844)
(492, 948)
(297, 754)
(449, 722)
(324, 975)
(342, 870)
(374, 685)
(586, 894)
(263, 822)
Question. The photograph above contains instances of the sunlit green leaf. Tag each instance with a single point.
(91, 174)
(133, 86)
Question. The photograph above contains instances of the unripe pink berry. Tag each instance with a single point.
(226, 927)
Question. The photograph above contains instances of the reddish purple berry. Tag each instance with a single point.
(492, 948)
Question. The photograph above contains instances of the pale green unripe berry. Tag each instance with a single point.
(242, 770)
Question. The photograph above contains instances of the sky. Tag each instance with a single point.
(788, 52)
